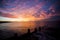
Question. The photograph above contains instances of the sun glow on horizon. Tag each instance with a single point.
(20, 19)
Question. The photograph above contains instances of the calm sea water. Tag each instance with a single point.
(20, 26)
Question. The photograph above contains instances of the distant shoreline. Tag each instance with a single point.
(4, 22)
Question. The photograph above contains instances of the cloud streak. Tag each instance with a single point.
(7, 15)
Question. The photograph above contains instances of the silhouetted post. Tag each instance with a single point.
(0, 31)
(15, 35)
(43, 28)
(39, 29)
(0, 34)
(35, 30)
(28, 31)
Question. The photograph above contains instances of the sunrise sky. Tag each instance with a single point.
(28, 10)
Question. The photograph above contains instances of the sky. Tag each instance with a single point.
(28, 10)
